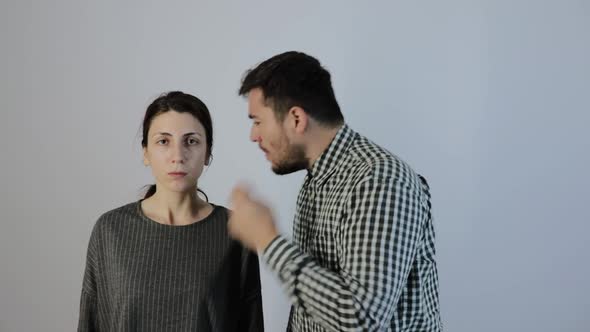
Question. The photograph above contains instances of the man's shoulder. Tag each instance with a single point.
(375, 161)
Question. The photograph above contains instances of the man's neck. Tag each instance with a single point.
(319, 143)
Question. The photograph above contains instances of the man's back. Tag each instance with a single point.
(364, 215)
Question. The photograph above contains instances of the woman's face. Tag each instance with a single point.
(176, 151)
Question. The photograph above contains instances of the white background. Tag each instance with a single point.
(489, 100)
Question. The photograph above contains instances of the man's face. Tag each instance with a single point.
(270, 134)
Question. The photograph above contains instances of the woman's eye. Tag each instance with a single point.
(161, 141)
(192, 141)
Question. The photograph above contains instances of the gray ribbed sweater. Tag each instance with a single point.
(145, 276)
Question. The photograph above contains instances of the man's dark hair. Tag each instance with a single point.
(295, 79)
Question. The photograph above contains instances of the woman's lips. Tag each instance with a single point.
(177, 174)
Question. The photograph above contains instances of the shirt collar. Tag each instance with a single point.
(332, 156)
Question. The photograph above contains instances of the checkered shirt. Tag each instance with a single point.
(363, 255)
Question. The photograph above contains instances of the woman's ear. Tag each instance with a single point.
(146, 161)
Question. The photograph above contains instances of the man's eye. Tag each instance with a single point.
(192, 141)
(162, 141)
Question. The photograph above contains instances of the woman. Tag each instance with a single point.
(165, 262)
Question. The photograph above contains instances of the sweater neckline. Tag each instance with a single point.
(194, 224)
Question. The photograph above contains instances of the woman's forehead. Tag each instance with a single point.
(176, 123)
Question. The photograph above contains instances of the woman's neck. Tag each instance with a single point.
(177, 209)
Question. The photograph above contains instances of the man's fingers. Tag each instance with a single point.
(239, 194)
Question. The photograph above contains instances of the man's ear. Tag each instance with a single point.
(299, 120)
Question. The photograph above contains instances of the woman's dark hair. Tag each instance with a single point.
(295, 79)
(182, 103)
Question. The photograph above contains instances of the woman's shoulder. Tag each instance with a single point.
(112, 220)
(218, 217)
(220, 209)
(122, 214)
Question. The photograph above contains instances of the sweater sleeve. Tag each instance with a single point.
(234, 302)
(88, 300)
(250, 312)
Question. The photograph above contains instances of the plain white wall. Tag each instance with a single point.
(488, 99)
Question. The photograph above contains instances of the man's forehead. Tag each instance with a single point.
(256, 94)
(256, 105)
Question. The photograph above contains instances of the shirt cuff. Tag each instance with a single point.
(278, 253)
(285, 259)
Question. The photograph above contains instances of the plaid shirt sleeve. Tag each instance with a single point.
(376, 244)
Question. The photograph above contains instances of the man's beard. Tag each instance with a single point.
(294, 161)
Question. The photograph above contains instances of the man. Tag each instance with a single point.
(362, 256)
